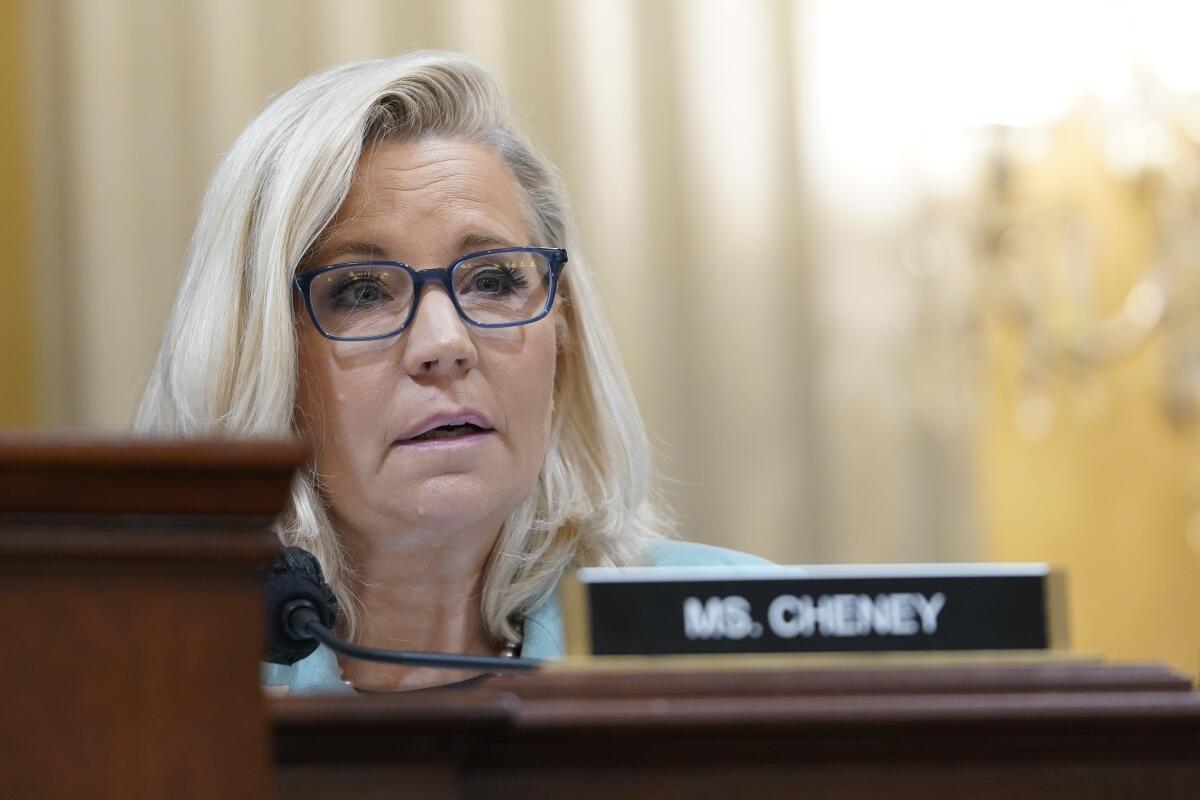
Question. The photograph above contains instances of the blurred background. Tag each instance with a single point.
(894, 282)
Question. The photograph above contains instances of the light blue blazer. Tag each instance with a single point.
(318, 673)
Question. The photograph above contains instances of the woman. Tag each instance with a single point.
(384, 266)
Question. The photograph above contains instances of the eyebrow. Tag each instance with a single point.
(368, 249)
(470, 242)
(475, 240)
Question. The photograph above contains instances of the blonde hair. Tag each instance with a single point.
(228, 361)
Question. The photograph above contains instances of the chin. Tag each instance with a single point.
(456, 506)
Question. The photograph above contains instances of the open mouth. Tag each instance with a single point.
(447, 432)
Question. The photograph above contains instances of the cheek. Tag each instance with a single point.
(530, 389)
(311, 382)
(332, 405)
(314, 403)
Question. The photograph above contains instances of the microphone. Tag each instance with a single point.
(301, 611)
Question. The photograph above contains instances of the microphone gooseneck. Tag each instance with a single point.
(302, 610)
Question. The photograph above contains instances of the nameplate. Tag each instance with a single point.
(823, 609)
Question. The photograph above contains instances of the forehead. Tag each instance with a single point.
(431, 186)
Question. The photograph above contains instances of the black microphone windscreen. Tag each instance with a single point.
(295, 574)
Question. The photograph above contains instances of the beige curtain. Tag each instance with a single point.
(749, 318)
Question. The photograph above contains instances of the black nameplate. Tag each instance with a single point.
(838, 609)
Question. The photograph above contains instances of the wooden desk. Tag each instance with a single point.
(130, 578)
(1058, 730)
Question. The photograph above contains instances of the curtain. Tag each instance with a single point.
(769, 340)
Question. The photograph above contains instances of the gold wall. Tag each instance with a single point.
(17, 305)
(1109, 492)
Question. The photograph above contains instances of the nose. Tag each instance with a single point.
(438, 343)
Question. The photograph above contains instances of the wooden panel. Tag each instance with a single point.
(1053, 730)
(130, 572)
(120, 686)
(1078, 780)
(144, 477)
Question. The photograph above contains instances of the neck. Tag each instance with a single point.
(419, 591)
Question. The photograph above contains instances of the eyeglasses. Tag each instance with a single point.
(367, 300)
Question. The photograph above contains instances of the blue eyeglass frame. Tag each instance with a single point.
(555, 256)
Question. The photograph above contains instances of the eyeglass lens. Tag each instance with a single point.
(376, 300)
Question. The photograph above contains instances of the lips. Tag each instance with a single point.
(446, 426)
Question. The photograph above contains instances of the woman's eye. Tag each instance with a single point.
(490, 282)
(496, 280)
(360, 292)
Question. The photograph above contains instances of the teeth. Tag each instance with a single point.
(447, 432)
